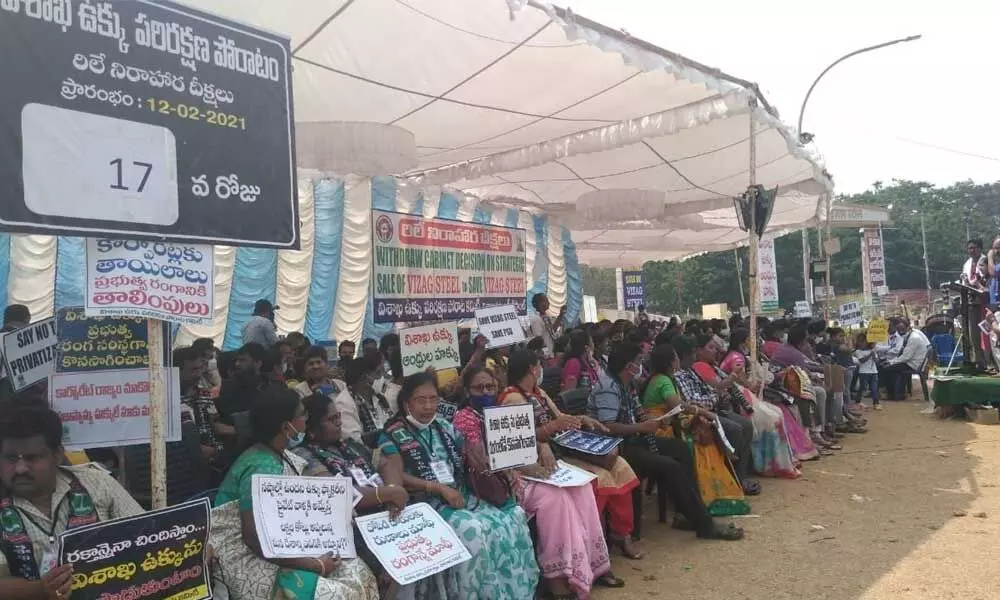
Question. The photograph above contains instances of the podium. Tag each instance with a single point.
(971, 302)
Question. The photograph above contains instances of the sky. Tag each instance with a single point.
(924, 110)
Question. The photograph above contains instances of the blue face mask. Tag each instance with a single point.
(297, 439)
(483, 400)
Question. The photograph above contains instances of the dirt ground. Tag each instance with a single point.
(909, 511)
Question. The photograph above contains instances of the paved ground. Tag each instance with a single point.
(909, 511)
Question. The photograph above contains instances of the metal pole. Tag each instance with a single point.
(806, 138)
(828, 292)
(157, 401)
(927, 265)
(752, 259)
(806, 281)
(739, 276)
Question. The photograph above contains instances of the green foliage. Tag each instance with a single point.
(682, 287)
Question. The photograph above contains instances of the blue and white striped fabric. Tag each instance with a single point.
(321, 289)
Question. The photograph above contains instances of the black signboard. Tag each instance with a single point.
(159, 554)
(145, 119)
(103, 343)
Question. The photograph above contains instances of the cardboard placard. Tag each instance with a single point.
(850, 314)
(161, 550)
(500, 325)
(303, 516)
(878, 331)
(567, 476)
(418, 544)
(429, 346)
(510, 436)
(29, 353)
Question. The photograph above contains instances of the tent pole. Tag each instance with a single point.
(752, 259)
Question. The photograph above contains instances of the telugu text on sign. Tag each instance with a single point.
(432, 269)
(303, 516)
(510, 436)
(429, 346)
(145, 119)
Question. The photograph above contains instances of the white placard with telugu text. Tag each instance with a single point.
(510, 436)
(303, 516)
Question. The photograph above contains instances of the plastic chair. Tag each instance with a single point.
(945, 347)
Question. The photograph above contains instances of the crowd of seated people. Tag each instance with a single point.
(701, 422)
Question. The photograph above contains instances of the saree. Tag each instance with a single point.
(571, 540)
(503, 559)
(249, 577)
(772, 454)
(717, 482)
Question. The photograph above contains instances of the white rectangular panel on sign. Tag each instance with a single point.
(429, 346)
(500, 326)
(87, 166)
(303, 516)
(29, 353)
(510, 436)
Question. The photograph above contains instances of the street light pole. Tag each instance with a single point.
(805, 138)
(927, 265)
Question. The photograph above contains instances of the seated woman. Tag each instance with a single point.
(580, 370)
(615, 403)
(615, 478)
(772, 454)
(277, 420)
(571, 549)
(717, 482)
(364, 411)
(428, 452)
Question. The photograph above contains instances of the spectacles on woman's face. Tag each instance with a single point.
(483, 388)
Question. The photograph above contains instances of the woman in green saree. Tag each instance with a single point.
(277, 422)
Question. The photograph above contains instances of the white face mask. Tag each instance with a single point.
(420, 426)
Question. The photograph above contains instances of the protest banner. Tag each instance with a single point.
(418, 544)
(128, 278)
(631, 289)
(429, 346)
(878, 331)
(767, 276)
(850, 314)
(590, 309)
(437, 270)
(587, 442)
(510, 436)
(29, 353)
(500, 326)
(566, 475)
(158, 554)
(303, 516)
(102, 343)
(147, 120)
(111, 408)
(802, 309)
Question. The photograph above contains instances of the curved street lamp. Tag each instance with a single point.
(805, 138)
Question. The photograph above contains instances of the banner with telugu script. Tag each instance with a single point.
(103, 343)
(158, 554)
(418, 544)
(303, 516)
(439, 270)
(111, 408)
(767, 276)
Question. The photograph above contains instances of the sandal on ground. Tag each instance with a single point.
(626, 548)
(730, 533)
(751, 487)
(609, 580)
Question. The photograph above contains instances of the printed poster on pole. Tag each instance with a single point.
(439, 270)
(29, 353)
(767, 276)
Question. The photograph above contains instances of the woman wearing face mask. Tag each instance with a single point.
(580, 370)
(429, 453)
(571, 549)
(278, 422)
(615, 479)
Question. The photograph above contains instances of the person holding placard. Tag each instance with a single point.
(571, 549)
(42, 500)
(277, 421)
(615, 478)
(430, 452)
(328, 454)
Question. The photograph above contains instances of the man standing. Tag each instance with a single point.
(911, 358)
(543, 326)
(260, 328)
(45, 500)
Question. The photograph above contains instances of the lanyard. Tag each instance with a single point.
(51, 533)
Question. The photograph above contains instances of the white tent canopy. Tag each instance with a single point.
(635, 149)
